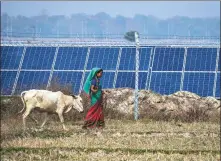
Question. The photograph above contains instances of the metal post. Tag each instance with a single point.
(151, 68)
(19, 70)
(85, 66)
(216, 70)
(151, 53)
(183, 70)
(117, 68)
(136, 77)
(52, 68)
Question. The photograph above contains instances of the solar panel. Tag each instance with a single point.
(199, 83)
(32, 80)
(168, 59)
(144, 58)
(71, 58)
(68, 78)
(125, 79)
(38, 58)
(7, 81)
(142, 80)
(164, 73)
(105, 58)
(108, 79)
(10, 57)
(201, 59)
(165, 83)
(127, 61)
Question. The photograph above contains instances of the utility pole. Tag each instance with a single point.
(144, 28)
(11, 27)
(134, 37)
(136, 76)
(7, 27)
(82, 28)
(57, 26)
(168, 29)
(40, 32)
(86, 28)
(106, 27)
(36, 28)
(189, 34)
(71, 32)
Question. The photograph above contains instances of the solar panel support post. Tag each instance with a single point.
(19, 70)
(183, 69)
(52, 68)
(151, 53)
(117, 68)
(151, 68)
(85, 67)
(216, 70)
(136, 76)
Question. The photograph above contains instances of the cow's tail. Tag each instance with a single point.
(24, 104)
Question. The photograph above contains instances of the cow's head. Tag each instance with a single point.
(77, 103)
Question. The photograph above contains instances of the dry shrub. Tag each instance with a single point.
(153, 114)
(56, 86)
(110, 110)
(10, 106)
(198, 113)
(195, 114)
(114, 114)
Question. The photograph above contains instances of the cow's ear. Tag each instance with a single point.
(74, 96)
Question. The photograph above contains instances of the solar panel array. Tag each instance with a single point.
(164, 70)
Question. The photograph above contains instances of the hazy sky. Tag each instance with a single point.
(160, 9)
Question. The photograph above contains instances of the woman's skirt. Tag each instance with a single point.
(95, 116)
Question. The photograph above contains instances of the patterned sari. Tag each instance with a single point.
(94, 117)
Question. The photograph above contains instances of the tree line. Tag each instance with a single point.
(100, 24)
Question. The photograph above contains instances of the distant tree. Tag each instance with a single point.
(103, 23)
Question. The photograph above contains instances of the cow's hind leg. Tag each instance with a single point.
(60, 115)
(45, 120)
(25, 115)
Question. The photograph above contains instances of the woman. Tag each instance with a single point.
(92, 88)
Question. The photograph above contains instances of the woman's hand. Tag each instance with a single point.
(94, 89)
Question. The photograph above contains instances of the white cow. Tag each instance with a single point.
(49, 102)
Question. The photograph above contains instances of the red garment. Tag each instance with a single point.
(95, 116)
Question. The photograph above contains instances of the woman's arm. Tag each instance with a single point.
(94, 88)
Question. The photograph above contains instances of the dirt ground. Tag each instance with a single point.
(119, 140)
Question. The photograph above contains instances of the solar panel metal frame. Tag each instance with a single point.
(217, 70)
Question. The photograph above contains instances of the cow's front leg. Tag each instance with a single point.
(45, 120)
(60, 115)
